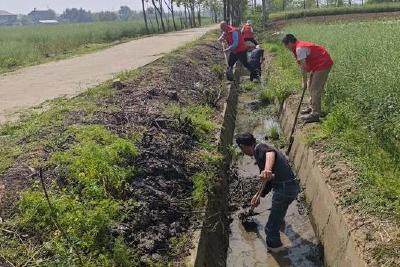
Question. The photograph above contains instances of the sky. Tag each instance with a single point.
(26, 6)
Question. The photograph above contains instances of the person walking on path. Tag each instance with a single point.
(248, 33)
(236, 46)
(274, 169)
(313, 59)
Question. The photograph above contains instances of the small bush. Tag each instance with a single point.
(202, 182)
(201, 117)
(273, 133)
(218, 70)
(94, 167)
(249, 85)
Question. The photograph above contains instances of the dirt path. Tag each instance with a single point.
(33, 85)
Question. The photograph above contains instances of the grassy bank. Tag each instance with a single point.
(122, 176)
(362, 101)
(30, 45)
(329, 11)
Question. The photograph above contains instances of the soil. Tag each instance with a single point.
(161, 191)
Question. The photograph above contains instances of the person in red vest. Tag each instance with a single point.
(236, 46)
(313, 59)
(248, 33)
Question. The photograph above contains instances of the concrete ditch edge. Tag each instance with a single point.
(211, 242)
(340, 248)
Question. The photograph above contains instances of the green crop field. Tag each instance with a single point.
(328, 11)
(28, 45)
(362, 99)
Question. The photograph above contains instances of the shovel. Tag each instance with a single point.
(291, 139)
(243, 216)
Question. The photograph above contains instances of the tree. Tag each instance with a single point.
(76, 15)
(124, 12)
(171, 9)
(105, 16)
(144, 17)
(160, 12)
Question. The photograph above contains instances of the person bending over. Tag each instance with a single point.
(274, 169)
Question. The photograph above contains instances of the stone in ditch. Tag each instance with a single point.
(117, 84)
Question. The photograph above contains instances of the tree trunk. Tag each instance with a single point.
(186, 17)
(225, 10)
(199, 15)
(158, 24)
(171, 9)
(160, 13)
(173, 15)
(264, 12)
(192, 10)
(228, 11)
(317, 4)
(144, 17)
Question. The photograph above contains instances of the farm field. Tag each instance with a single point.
(329, 11)
(362, 108)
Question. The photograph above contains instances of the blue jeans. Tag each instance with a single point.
(283, 195)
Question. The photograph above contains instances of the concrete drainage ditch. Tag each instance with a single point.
(223, 241)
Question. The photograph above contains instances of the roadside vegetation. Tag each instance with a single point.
(31, 45)
(121, 177)
(362, 103)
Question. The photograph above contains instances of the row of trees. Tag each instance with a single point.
(82, 15)
(188, 13)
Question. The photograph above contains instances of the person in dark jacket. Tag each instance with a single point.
(256, 60)
(275, 169)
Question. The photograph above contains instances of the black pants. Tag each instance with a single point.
(251, 40)
(256, 73)
(242, 57)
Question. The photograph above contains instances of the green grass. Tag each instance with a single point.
(363, 105)
(328, 11)
(92, 173)
(202, 183)
(30, 45)
(282, 75)
(39, 129)
(200, 116)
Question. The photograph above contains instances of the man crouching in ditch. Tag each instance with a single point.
(274, 169)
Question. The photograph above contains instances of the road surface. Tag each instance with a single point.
(31, 86)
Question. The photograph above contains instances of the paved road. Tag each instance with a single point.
(33, 85)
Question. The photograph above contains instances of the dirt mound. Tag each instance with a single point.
(157, 202)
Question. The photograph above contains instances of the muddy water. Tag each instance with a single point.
(247, 246)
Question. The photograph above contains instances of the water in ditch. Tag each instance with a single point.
(247, 246)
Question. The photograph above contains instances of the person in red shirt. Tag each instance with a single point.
(313, 59)
(248, 33)
(236, 46)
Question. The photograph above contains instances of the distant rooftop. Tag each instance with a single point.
(48, 21)
(6, 13)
